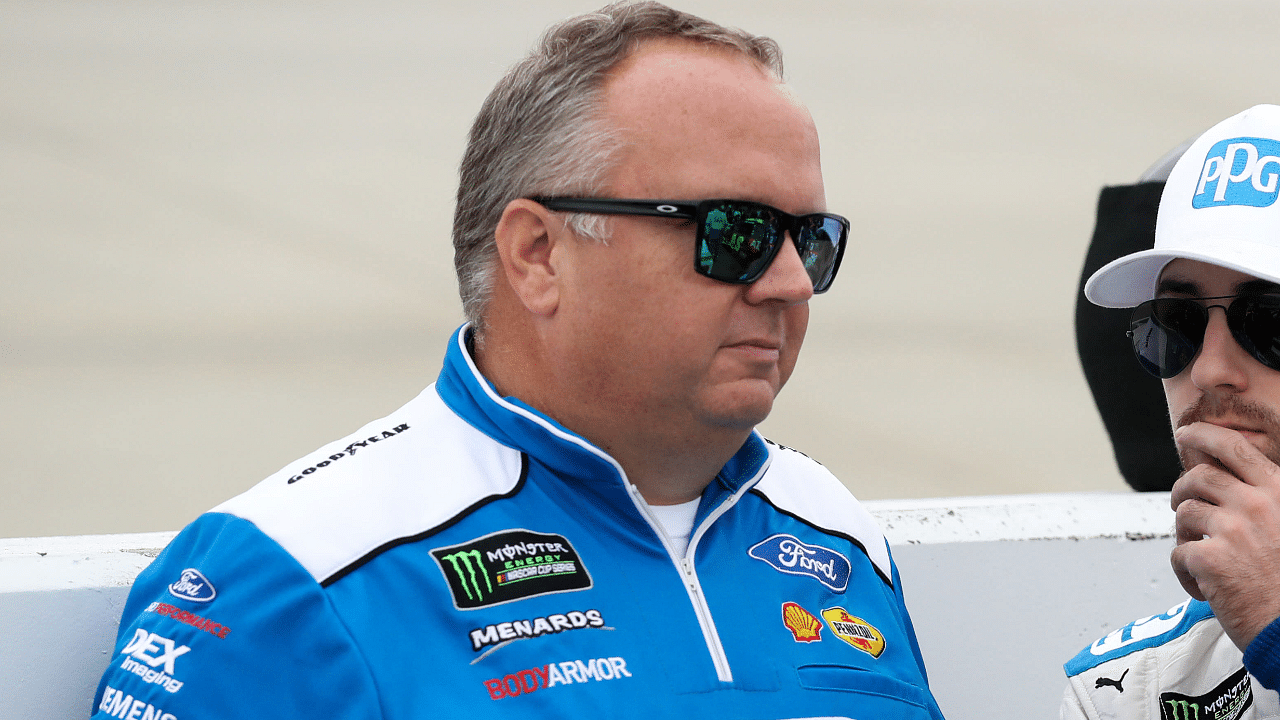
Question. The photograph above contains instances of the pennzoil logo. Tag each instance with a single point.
(803, 625)
(854, 630)
(510, 565)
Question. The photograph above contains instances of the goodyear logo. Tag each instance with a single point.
(1239, 171)
(854, 630)
(803, 625)
(510, 565)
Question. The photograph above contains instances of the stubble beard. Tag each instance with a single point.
(1209, 407)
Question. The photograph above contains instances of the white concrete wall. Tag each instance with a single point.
(225, 228)
(1003, 590)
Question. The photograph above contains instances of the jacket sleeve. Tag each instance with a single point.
(1262, 657)
(1075, 705)
(224, 624)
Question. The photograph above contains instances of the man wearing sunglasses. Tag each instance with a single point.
(577, 519)
(1207, 322)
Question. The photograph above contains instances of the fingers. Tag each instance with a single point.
(1178, 559)
(1228, 448)
(1193, 519)
(1228, 527)
(1193, 500)
(1205, 484)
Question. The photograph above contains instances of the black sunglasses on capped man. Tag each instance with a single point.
(1167, 333)
(736, 239)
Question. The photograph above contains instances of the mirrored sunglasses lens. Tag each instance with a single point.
(1258, 322)
(819, 249)
(1167, 334)
(736, 242)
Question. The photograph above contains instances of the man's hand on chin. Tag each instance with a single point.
(1228, 528)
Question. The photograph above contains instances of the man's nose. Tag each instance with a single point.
(785, 279)
(1222, 363)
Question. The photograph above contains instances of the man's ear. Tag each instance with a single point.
(526, 239)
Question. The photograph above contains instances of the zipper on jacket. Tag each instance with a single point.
(692, 586)
(700, 606)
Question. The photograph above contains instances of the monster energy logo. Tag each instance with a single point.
(1182, 710)
(466, 571)
(1227, 701)
(510, 565)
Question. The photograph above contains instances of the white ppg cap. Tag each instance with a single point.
(1218, 206)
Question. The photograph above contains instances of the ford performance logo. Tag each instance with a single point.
(1239, 171)
(193, 586)
(787, 554)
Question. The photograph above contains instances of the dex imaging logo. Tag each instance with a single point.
(154, 651)
(1239, 171)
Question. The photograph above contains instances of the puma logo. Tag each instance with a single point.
(1104, 682)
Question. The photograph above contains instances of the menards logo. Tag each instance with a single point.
(510, 565)
(534, 627)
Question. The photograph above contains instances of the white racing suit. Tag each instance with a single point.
(1179, 665)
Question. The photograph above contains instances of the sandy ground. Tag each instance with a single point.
(224, 229)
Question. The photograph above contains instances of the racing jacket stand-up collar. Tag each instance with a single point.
(515, 424)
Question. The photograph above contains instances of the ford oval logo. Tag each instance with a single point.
(786, 553)
(193, 586)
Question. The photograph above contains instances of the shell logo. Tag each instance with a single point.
(803, 625)
(854, 630)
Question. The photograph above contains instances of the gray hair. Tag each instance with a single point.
(540, 132)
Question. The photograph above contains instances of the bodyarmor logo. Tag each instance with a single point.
(553, 674)
(510, 565)
(1227, 701)
(1239, 171)
(787, 554)
(193, 586)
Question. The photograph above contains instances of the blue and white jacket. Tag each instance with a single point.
(468, 557)
(1178, 665)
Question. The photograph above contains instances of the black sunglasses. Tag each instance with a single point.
(736, 239)
(1168, 332)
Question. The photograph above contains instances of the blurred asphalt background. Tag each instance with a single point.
(225, 229)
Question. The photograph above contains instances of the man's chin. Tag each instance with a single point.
(741, 410)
